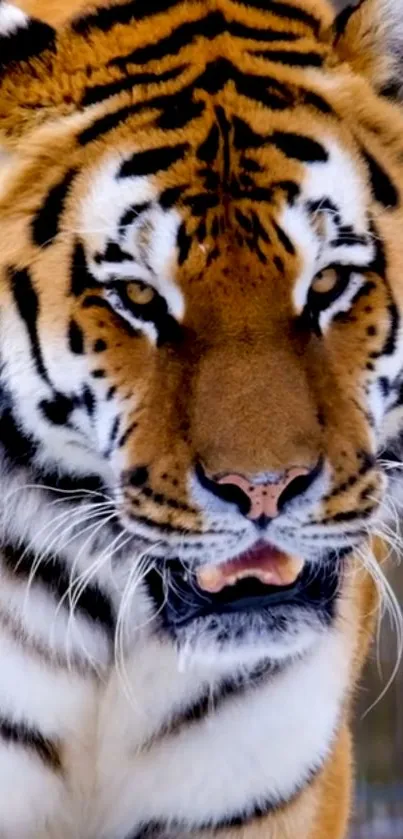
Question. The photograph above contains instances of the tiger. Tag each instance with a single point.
(201, 412)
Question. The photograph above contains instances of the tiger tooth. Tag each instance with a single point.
(210, 579)
(284, 570)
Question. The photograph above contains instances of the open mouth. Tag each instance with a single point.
(262, 562)
(260, 579)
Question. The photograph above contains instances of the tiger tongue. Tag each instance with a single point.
(264, 562)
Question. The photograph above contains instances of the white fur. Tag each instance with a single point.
(296, 223)
(260, 747)
(338, 180)
(11, 19)
(150, 239)
(30, 797)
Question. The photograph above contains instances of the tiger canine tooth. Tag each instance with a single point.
(210, 578)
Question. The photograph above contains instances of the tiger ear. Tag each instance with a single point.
(56, 13)
(369, 37)
(39, 83)
(23, 41)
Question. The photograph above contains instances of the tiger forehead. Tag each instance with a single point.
(214, 28)
(147, 214)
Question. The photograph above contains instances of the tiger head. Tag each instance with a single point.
(201, 295)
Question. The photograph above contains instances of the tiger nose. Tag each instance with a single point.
(257, 500)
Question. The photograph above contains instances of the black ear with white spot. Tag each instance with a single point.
(24, 43)
(369, 36)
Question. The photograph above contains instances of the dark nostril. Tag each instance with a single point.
(227, 492)
(298, 486)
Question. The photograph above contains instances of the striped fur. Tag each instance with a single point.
(200, 216)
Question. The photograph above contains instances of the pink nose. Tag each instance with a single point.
(264, 497)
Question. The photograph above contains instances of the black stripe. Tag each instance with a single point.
(260, 88)
(102, 91)
(299, 147)
(179, 109)
(106, 123)
(254, 813)
(291, 189)
(212, 699)
(351, 515)
(171, 196)
(112, 436)
(113, 253)
(132, 213)
(27, 303)
(20, 448)
(21, 734)
(165, 527)
(57, 410)
(342, 19)
(68, 483)
(25, 43)
(283, 10)
(383, 188)
(202, 202)
(88, 399)
(126, 434)
(104, 19)
(394, 322)
(111, 392)
(315, 101)
(94, 300)
(45, 224)
(92, 604)
(153, 160)
(379, 263)
(75, 338)
(347, 237)
(81, 279)
(209, 26)
(283, 238)
(209, 148)
(240, 30)
(244, 137)
(291, 57)
(184, 243)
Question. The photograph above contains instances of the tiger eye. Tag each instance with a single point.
(325, 281)
(140, 293)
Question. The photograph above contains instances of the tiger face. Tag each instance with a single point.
(201, 301)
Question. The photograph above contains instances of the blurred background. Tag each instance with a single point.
(378, 812)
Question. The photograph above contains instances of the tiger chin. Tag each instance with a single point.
(201, 388)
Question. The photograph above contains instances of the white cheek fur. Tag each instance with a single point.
(340, 197)
(149, 240)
